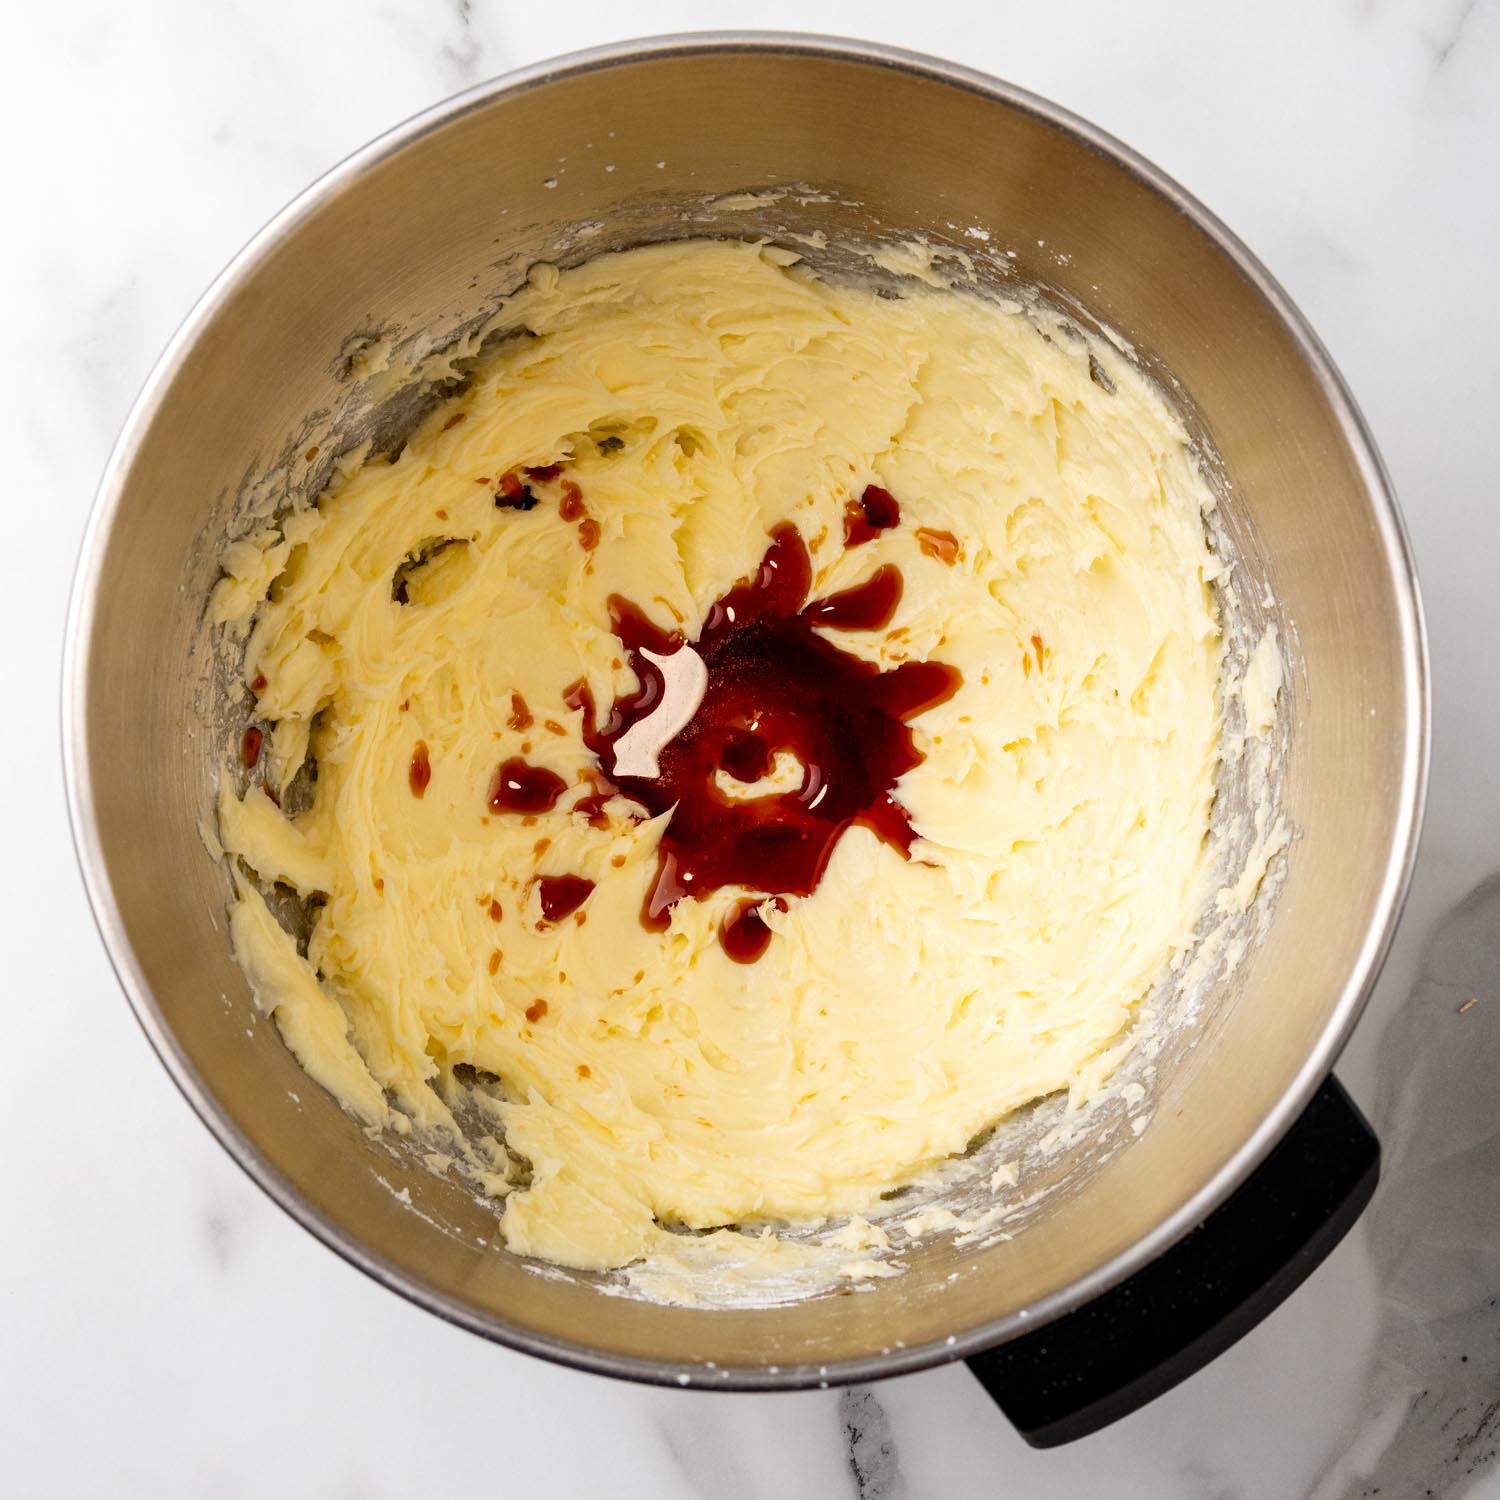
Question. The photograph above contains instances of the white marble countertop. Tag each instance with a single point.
(166, 1331)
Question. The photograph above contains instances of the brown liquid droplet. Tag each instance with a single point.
(419, 773)
(743, 934)
(495, 911)
(250, 744)
(588, 533)
(513, 493)
(593, 803)
(494, 964)
(520, 787)
(592, 807)
(774, 684)
(536, 1010)
(942, 545)
(258, 683)
(520, 715)
(562, 895)
(584, 1071)
(571, 507)
(870, 605)
(875, 511)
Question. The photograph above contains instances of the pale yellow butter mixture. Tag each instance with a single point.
(699, 395)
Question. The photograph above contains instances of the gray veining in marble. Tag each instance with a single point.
(1433, 1388)
(873, 1459)
(1443, 45)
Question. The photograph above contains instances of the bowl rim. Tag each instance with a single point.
(1410, 793)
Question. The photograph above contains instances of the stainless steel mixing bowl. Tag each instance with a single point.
(417, 236)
